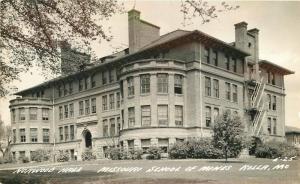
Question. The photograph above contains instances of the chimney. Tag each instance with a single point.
(241, 35)
(140, 32)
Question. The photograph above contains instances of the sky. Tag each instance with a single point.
(279, 37)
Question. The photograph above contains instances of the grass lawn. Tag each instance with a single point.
(160, 171)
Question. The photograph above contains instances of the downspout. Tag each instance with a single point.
(53, 124)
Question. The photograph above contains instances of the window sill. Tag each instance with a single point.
(180, 95)
(130, 97)
(163, 94)
(145, 94)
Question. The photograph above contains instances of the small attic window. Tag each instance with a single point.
(249, 44)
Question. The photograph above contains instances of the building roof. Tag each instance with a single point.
(290, 129)
(275, 67)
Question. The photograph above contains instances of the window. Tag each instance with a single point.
(60, 112)
(118, 100)
(112, 101)
(86, 83)
(59, 90)
(234, 67)
(22, 135)
(269, 102)
(234, 93)
(162, 83)
(130, 86)
(71, 108)
(216, 88)
(65, 90)
(178, 84)
(80, 85)
(45, 114)
(269, 126)
(228, 91)
(112, 127)
(208, 116)
(111, 76)
(162, 115)
(61, 135)
(70, 87)
(206, 55)
(105, 128)
(118, 125)
(131, 117)
(22, 113)
(146, 115)
(94, 105)
(145, 144)
(273, 78)
(93, 81)
(178, 115)
(207, 86)
(163, 144)
(104, 79)
(227, 62)
(13, 114)
(87, 106)
(215, 57)
(33, 135)
(14, 136)
(80, 108)
(216, 113)
(104, 103)
(46, 135)
(269, 77)
(66, 109)
(274, 126)
(66, 133)
(274, 103)
(72, 132)
(33, 113)
(145, 83)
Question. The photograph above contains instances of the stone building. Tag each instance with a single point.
(162, 89)
(293, 135)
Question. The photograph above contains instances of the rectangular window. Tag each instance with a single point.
(104, 79)
(93, 105)
(269, 126)
(273, 78)
(65, 90)
(227, 62)
(234, 67)
(66, 133)
(60, 112)
(118, 125)
(13, 114)
(22, 113)
(216, 88)
(86, 83)
(208, 116)
(33, 135)
(228, 91)
(145, 83)
(45, 114)
(112, 127)
(130, 83)
(80, 108)
(146, 115)
(14, 136)
(111, 76)
(207, 86)
(234, 93)
(118, 100)
(33, 113)
(105, 128)
(61, 134)
(22, 135)
(269, 77)
(72, 132)
(274, 126)
(216, 113)
(112, 101)
(178, 84)
(274, 103)
(71, 109)
(59, 91)
(162, 83)
(93, 80)
(104, 103)
(162, 115)
(66, 109)
(87, 106)
(178, 115)
(70, 87)
(206, 55)
(46, 135)
(215, 57)
(80, 84)
(131, 117)
(269, 102)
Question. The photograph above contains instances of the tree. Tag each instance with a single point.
(5, 139)
(228, 134)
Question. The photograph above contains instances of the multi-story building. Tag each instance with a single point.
(160, 90)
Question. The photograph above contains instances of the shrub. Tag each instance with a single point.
(178, 151)
(276, 149)
(40, 155)
(154, 153)
(24, 159)
(88, 155)
(131, 154)
(114, 153)
(203, 148)
(63, 157)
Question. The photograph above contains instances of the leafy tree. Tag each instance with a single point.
(229, 134)
(5, 139)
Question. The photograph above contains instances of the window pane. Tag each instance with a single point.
(33, 135)
(93, 105)
(162, 114)
(207, 86)
(178, 84)
(162, 83)
(130, 83)
(131, 117)
(178, 115)
(146, 115)
(33, 113)
(145, 83)
(208, 116)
